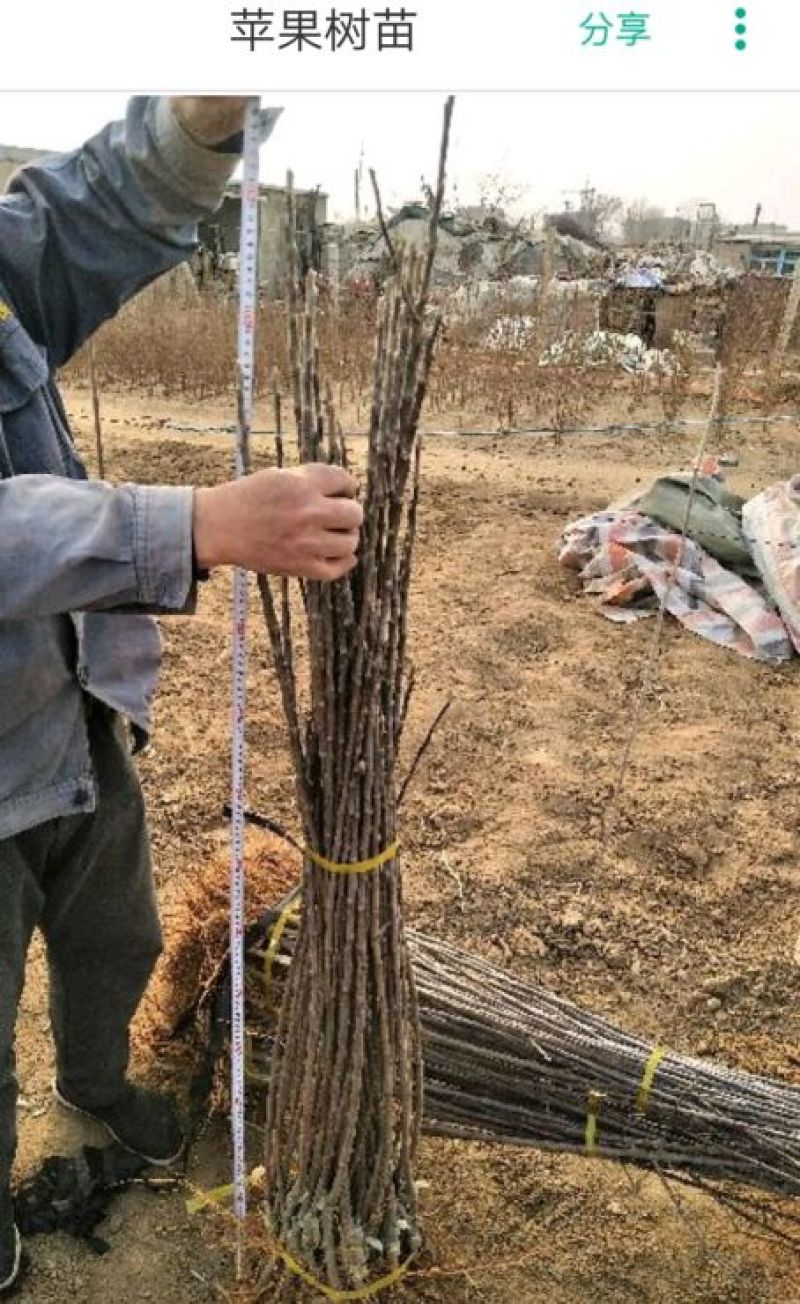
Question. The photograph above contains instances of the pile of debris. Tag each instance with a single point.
(673, 269)
(476, 245)
(604, 348)
(479, 245)
(519, 293)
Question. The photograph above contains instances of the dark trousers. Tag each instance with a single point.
(86, 881)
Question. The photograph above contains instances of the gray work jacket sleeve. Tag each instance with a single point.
(81, 233)
(88, 546)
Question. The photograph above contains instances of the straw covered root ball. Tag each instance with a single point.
(171, 1034)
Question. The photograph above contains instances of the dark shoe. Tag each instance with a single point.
(142, 1121)
(10, 1245)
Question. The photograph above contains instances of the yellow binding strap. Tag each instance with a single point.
(648, 1077)
(354, 866)
(220, 1194)
(590, 1134)
(340, 1296)
(289, 915)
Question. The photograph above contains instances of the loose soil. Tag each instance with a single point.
(683, 927)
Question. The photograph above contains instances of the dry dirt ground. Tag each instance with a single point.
(502, 853)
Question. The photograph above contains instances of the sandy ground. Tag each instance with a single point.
(501, 832)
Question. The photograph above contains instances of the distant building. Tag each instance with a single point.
(750, 228)
(12, 158)
(220, 233)
(774, 252)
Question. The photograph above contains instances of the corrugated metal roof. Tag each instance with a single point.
(780, 238)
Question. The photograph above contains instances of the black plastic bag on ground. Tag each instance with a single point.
(72, 1193)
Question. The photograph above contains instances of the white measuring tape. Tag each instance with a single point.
(248, 303)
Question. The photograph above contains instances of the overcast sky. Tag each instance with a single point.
(672, 149)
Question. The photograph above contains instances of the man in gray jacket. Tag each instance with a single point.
(83, 567)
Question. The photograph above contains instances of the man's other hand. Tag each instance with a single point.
(210, 119)
(301, 522)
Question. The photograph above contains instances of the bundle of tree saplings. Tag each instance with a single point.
(345, 1096)
(506, 1061)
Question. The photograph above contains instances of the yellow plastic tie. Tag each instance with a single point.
(340, 1296)
(289, 915)
(590, 1134)
(219, 1194)
(5, 311)
(643, 1094)
(252, 1075)
(354, 866)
